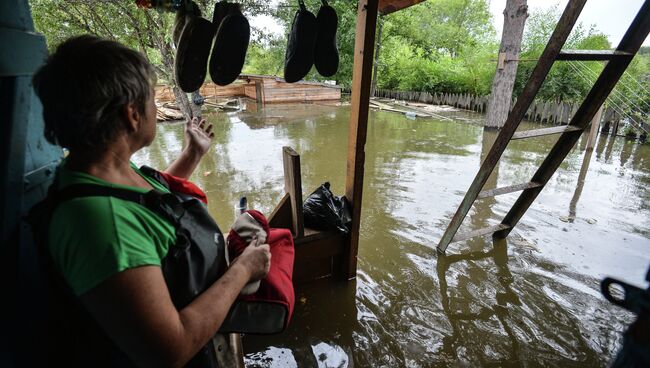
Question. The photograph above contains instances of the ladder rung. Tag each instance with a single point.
(479, 232)
(508, 189)
(544, 131)
(591, 55)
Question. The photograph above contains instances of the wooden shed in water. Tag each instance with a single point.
(265, 89)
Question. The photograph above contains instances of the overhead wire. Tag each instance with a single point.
(613, 100)
(623, 86)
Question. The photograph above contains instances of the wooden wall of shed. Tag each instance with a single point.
(275, 91)
(250, 91)
(231, 90)
(164, 93)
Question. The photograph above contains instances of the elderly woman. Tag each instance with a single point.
(98, 102)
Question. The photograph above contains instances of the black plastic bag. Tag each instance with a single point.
(324, 211)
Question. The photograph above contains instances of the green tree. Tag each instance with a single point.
(148, 31)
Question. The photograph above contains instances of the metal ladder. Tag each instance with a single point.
(617, 61)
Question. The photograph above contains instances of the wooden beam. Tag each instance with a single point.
(360, 98)
(592, 55)
(505, 190)
(479, 232)
(281, 215)
(293, 186)
(544, 131)
(391, 6)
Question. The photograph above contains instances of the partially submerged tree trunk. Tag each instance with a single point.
(498, 108)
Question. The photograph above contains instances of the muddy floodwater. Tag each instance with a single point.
(530, 300)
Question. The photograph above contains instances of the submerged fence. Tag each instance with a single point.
(551, 112)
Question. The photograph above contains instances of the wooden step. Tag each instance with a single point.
(479, 232)
(508, 189)
(591, 55)
(544, 131)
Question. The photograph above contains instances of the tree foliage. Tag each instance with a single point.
(435, 46)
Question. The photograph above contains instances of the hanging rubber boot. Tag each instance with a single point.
(326, 54)
(182, 14)
(192, 53)
(230, 43)
(300, 48)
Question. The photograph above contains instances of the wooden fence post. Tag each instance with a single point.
(293, 186)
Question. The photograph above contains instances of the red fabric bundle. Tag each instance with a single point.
(184, 186)
(277, 286)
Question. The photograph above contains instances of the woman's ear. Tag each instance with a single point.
(132, 117)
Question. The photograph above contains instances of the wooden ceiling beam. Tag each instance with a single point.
(391, 6)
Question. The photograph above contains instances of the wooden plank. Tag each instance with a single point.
(293, 186)
(386, 107)
(592, 55)
(281, 215)
(359, 100)
(557, 40)
(325, 245)
(544, 131)
(311, 269)
(506, 190)
(391, 6)
(479, 232)
(316, 255)
(631, 42)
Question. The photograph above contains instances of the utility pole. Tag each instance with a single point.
(498, 108)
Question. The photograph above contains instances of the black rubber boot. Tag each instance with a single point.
(192, 53)
(326, 53)
(300, 48)
(182, 14)
(230, 43)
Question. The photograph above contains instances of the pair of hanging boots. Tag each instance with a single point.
(312, 41)
(227, 36)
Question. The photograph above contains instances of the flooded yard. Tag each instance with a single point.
(530, 300)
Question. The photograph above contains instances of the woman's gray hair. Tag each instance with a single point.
(85, 87)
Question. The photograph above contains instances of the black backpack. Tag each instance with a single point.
(193, 263)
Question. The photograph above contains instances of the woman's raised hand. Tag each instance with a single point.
(198, 135)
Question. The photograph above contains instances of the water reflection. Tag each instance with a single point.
(580, 185)
(531, 301)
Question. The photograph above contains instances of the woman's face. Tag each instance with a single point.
(149, 117)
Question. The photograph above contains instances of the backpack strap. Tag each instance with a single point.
(155, 175)
(93, 190)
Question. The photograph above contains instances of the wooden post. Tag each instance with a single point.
(377, 49)
(360, 99)
(293, 186)
(595, 126)
(258, 92)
